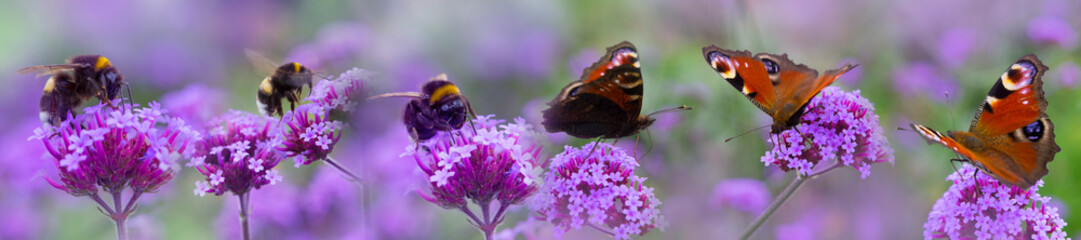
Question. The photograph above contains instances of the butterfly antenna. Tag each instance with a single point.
(953, 117)
(680, 108)
(635, 149)
(745, 133)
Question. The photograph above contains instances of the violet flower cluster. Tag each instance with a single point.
(840, 126)
(982, 208)
(112, 149)
(496, 162)
(597, 188)
(239, 154)
(312, 133)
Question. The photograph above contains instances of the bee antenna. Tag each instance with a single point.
(131, 100)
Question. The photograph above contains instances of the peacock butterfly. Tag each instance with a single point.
(605, 102)
(773, 83)
(1011, 137)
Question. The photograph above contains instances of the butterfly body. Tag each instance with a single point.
(773, 83)
(1011, 138)
(605, 102)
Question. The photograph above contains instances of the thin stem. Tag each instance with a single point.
(243, 198)
(484, 209)
(602, 230)
(109, 210)
(121, 227)
(131, 201)
(342, 169)
(773, 206)
(116, 202)
(472, 216)
(824, 171)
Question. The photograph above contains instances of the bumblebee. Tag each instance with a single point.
(287, 81)
(440, 106)
(71, 84)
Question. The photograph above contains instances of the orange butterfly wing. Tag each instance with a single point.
(774, 83)
(1011, 137)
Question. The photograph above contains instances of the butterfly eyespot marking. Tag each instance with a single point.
(1018, 76)
(722, 64)
(771, 66)
(1034, 131)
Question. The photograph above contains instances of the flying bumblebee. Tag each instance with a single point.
(71, 84)
(287, 81)
(440, 106)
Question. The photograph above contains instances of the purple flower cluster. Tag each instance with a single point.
(981, 207)
(239, 154)
(838, 125)
(1052, 30)
(112, 149)
(495, 162)
(312, 133)
(598, 190)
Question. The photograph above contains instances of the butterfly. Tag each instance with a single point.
(773, 83)
(1011, 137)
(605, 102)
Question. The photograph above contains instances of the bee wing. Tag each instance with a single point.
(43, 70)
(261, 63)
(398, 94)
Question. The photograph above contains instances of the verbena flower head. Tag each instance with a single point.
(599, 189)
(982, 208)
(310, 135)
(239, 154)
(112, 149)
(840, 126)
(498, 162)
(340, 93)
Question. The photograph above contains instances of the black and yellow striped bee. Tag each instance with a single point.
(71, 84)
(285, 81)
(440, 106)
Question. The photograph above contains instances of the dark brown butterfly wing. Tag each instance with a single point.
(605, 102)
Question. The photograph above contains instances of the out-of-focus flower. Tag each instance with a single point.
(506, 50)
(341, 93)
(838, 125)
(335, 44)
(113, 149)
(744, 194)
(955, 46)
(1069, 74)
(239, 154)
(496, 162)
(196, 104)
(924, 79)
(1052, 30)
(597, 188)
(981, 207)
(804, 228)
